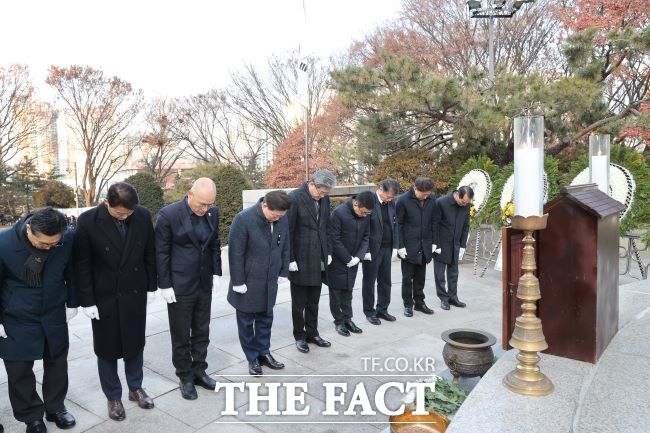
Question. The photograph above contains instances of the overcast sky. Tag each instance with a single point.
(176, 48)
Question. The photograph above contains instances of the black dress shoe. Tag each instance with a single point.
(352, 327)
(386, 316)
(254, 368)
(188, 391)
(144, 401)
(63, 420)
(374, 320)
(444, 305)
(422, 308)
(408, 311)
(116, 410)
(302, 346)
(457, 303)
(37, 426)
(319, 341)
(270, 362)
(342, 330)
(205, 381)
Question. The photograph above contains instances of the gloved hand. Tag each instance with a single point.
(168, 295)
(438, 251)
(91, 312)
(293, 267)
(329, 260)
(393, 254)
(461, 253)
(355, 261)
(401, 253)
(240, 289)
(150, 297)
(70, 313)
(367, 257)
(3, 334)
(282, 280)
(433, 248)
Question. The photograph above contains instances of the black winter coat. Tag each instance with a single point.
(377, 227)
(115, 276)
(415, 220)
(349, 235)
(452, 228)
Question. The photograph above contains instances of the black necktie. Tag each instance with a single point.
(317, 209)
(121, 225)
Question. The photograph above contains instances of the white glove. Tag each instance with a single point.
(393, 254)
(355, 261)
(168, 295)
(282, 280)
(91, 312)
(150, 297)
(438, 251)
(69, 314)
(240, 289)
(461, 253)
(293, 267)
(329, 260)
(3, 334)
(401, 253)
(433, 248)
(367, 257)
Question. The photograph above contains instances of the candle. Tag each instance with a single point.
(529, 186)
(599, 171)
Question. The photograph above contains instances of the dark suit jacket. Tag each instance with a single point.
(415, 227)
(181, 261)
(115, 276)
(257, 258)
(309, 243)
(349, 235)
(32, 314)
(377, 227)
(451, 224)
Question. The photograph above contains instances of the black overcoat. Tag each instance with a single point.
(115, 276)
(308, 233)
(415, 221)
(377, 227)
(349, 235)
(32, 314)
(451, 224)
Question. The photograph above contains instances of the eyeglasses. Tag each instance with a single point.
(205, 206)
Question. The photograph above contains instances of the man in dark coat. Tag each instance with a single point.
(37, 297)
(258, 254)
(415, 210)
(115, 265)
(349, 232)
(451, 228)
(383, 245)
(309, 255)
(188, 259)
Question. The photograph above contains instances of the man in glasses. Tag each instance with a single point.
(37, 298)
(115, 265)
(188, 256)
(349, 233)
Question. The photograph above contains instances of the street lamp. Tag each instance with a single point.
(493, 9)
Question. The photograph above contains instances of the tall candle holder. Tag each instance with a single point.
(599, 161)
(528, 335)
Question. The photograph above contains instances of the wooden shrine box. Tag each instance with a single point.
(577, 261)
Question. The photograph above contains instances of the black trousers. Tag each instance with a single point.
(413, 283)
(110, 381)
(304, 310)
(377, 270)
(25, 401)
(451, 292)
(189, 326)
(341, 305)
(255, 333)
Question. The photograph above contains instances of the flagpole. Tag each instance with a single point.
(304, 14)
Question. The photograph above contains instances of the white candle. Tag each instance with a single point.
(599, 171)
(529, 183)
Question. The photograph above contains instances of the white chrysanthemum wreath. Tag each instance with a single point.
(621, 185)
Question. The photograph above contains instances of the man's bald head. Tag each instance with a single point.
(202, 195)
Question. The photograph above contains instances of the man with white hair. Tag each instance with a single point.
(188, 255)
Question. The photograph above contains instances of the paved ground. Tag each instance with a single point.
(409, 338)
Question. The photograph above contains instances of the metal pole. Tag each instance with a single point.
(306, 143)
(491, 51)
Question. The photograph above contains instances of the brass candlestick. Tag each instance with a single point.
(528, 336)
